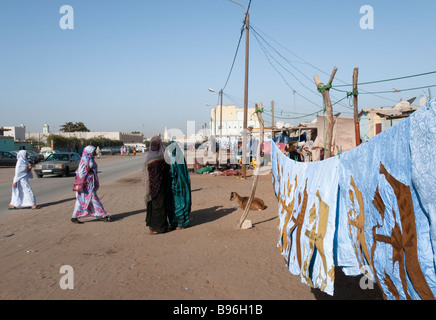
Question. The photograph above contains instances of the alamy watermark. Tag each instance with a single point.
(67, 20)
(367, 280)
(367, 20)
(67, 280)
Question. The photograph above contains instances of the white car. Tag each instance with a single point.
(46, 153)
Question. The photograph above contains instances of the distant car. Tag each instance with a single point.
(7, 159)
(46, 153)
(141, 149)
(108, 150)
(38, 157)
(116, 149)
(30, 157)
(58, 163)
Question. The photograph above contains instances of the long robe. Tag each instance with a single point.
(179, 193)
(22, 195)
(87, 202)
(155, 172)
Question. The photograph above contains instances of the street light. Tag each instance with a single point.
(221, 112)
(208, 105)
(221, 117)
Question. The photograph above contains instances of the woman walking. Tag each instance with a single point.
(155, 173)
(87, 202)
(22, 193)
(179, 199)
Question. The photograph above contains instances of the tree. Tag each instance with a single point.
(74, 127)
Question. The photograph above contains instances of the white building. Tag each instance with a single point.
(232, 120)
(18, 133)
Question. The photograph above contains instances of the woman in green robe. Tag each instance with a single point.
(179, 192)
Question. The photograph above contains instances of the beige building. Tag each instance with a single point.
(232, 120)
(126, 138)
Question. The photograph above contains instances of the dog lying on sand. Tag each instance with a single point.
(256, 204)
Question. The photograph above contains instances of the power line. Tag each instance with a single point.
(267, 53)
(281, 75)
(391, 91)
(391, 79)
(315, 67)
(234, 58)
(292, 118)
(401, 90)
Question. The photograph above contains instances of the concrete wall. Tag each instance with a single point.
(7, 143)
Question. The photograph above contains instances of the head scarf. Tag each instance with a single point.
(154, 167)
(157, 149)
(87, 161)
(22, 166)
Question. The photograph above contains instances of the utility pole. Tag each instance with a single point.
(272, 111)
(221, 128)
(356, 116)
(244, 130)
(244, 135)
(221, 114)
(295, 109)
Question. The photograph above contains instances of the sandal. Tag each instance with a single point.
(75, 220)
(12, 208)
(36, 207)
(107, 219)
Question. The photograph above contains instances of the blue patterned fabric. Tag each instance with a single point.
(307, 217)
(422, 147)
(380, 199)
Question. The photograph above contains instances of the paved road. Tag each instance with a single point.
(50, 188)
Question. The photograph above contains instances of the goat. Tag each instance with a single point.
(256, 204)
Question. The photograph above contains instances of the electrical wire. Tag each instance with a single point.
(315, 67)
(234, 58)
(391, 79)
(267, 53)
(237, 47)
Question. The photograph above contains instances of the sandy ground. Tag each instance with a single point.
(210, 260)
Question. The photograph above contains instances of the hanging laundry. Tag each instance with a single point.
(369, 212)
(307, 215)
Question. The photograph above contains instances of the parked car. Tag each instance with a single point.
(7, 159)
(141, 149)
(30, 157)
(108, 150)
(116, 149)
(37, 156)
(58, 163)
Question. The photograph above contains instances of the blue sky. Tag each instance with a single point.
(143, 65)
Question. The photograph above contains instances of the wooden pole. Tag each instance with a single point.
(258, 166)
(244, 135)
(356, 111)
(272, 110)
(325, 91)
(221, 114)
(221, 128)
